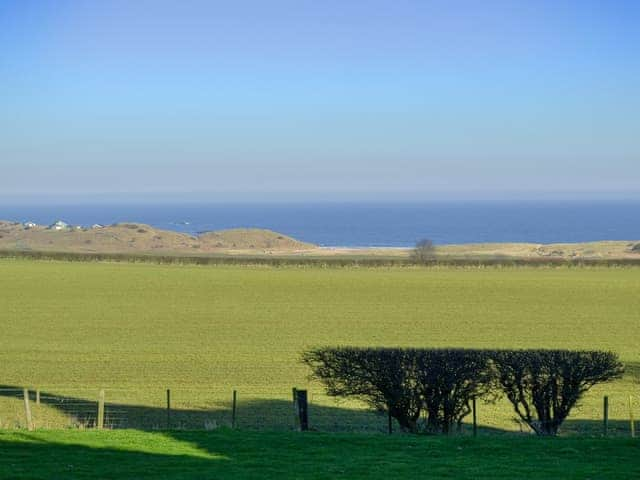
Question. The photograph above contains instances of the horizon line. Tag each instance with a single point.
(240, 197)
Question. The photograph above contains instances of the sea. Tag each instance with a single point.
(369, 224)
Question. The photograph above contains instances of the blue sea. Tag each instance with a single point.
(370, 224)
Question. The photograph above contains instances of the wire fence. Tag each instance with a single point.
(210, 409)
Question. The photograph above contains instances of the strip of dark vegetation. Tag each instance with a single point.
(440, 384)
(337, 261)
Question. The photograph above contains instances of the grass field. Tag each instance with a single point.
(229, 454)
(73, 328)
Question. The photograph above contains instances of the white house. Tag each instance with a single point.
(59, 225)
(97, 225)
(29, 224)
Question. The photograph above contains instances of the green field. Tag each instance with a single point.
(136, 329)
(229, 454)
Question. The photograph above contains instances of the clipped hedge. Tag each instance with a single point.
(542, 385)
(405, 382)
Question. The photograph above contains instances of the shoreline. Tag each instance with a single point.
(140, 239)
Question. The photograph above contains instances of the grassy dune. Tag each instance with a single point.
(131, 238)
(137, 329)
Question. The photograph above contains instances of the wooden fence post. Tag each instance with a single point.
(605, 423)
(100, 421)
(475, 417)
(294, 392)
(631, 421)
(302, 408)
(37, 396)
(234, 409)
(168, 409)
(27, 409)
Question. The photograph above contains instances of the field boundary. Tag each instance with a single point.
(337, 261)
(252, 410)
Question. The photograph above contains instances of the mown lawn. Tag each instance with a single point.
(240, 455)
(138, 329)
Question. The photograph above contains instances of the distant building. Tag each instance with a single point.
(29, 224)
(59, 225)
(97, 225)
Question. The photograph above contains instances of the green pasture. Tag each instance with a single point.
(231, 454)
(136, 329)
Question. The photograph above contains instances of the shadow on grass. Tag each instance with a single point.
(48, 455)
(632, 371)
(224, 453)
(234, 454)
(595, 428)
(259, 414)
(252, 414)
(265, 414)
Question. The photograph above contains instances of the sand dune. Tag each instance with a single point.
(142, 238)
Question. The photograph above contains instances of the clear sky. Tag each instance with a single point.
(320, 99)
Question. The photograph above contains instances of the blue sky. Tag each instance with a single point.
(313, 100)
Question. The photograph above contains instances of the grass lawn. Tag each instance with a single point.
(72, 328)
(233, 454)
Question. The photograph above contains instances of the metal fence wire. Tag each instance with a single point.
(213, 408)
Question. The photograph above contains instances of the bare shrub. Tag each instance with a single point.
(424, 252)
(544, 385)
(405, 382)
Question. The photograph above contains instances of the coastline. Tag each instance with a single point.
(140, 239)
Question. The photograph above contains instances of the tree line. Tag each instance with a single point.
(440, 384)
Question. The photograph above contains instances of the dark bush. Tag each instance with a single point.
(424, 252)
(544, 385)
(636, 248)
(385, 378)
(405, 382)
(449, 379)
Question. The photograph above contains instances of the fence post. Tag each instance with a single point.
(605, 423)
(27, 409)
(100, 421)
(475, 417)
(168, 409)
(631, 421)
(37, 396)
(302, 409)
(234, 409)
(294, 392)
